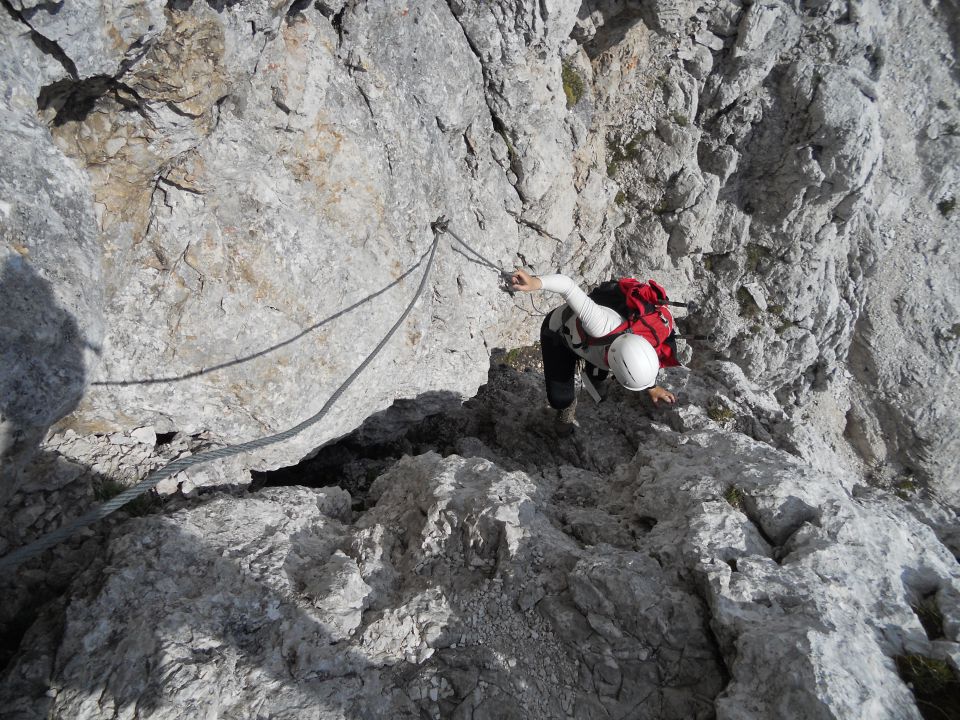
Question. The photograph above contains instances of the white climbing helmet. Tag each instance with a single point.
(633, 361)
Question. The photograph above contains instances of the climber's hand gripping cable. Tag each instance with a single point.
(524, 282)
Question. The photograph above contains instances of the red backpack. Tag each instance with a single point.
(644, 306)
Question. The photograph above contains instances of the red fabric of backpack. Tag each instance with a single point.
(644, 306)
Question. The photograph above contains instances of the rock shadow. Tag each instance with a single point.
(270, 618)
(228, 615)
(42, 368)
(408, 427)
(55, 491)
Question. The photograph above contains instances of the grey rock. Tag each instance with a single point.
(261, 188)
(200, 189)
(52, 324)
(95, 38)
(800, 582)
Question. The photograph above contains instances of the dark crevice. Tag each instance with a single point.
(297, 7)
(43, 43)
(353, 462)
(498, 125)
(534, 226)
(935, 687)
(439, 422)
(51, 7)
(613, 32)
(750, 511)
(366, 101)
(134, 54)
(466, 36)
(172, 183)
(698, 591)
(221, 5)
(175, 109)
(165, 438)
(928, 612)
(74, 100)
(337, 22)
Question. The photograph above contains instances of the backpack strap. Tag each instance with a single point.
(589, 341)
(624, 327)
(656, 337)
(565, 317)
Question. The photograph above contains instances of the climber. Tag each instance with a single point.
(631, 358)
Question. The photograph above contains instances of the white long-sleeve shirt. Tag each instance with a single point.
(596, 320)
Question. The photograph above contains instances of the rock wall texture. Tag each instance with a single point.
(661, 565)
(255, 168)
(239, 172)
(790, 164)
(193, 194)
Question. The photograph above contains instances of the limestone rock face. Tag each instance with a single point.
(676, 568)
(270, 202)
(51, 324)
(95, 38)
(257, 168)
(786, 165)
(210, 212)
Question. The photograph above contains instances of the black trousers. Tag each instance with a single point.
(560, 367)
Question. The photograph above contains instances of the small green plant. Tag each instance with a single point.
(756, 254)
(784, 326)
(951, 333)
(680, 120)
(572, 83)
(775, 309)
(501, 130)
(621, 197)
(720, 413)
(629, 152)
(511, 151)
(935, 687)
(632, 149)
(748, 306)
(946, 206)
(930, 616)
(661, 207)
(926, 675)
(734, 496)
(107, 488)
(904, 487)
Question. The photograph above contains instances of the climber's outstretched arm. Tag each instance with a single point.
(597, 320)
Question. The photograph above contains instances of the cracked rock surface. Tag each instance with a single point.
(513, 575)
(211, 211)
(251, 170)
(239, 173)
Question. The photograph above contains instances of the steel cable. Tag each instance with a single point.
(12, 560)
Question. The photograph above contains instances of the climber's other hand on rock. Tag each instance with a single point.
(658, 395)
(522, 281)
